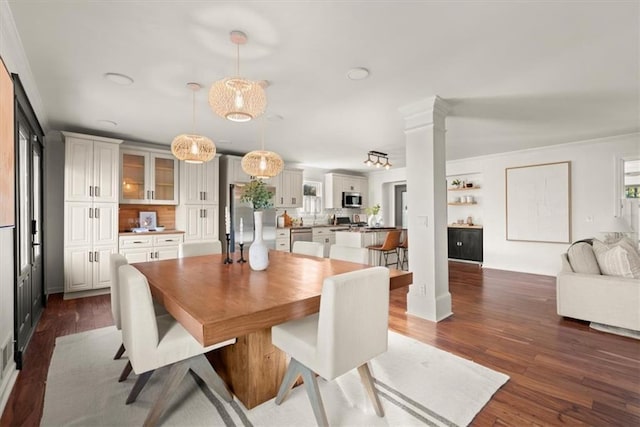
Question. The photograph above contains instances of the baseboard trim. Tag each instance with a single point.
(8, 387)
(84, 294)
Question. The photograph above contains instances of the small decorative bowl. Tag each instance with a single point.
(160, 228)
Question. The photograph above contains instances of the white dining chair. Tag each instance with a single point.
(187, 249)
(350, 329)
(308, 248)
(153, 342)
(116, 261)
(348, 253)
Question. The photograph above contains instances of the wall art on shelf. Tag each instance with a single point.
(148, 220)
(538, 202)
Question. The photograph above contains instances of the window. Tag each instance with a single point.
(311, 197)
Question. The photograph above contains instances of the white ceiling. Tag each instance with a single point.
(517, 74)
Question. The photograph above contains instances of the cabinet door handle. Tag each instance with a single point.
(281, 200)
(97, 191)
(90, 256)
(153, 194)
(204, 195)
(157, 255)
(293, 200)
(97, 213)
(148, 194)
(204, 213)
(90, 213)
(91, 191)
(137, 241)
(151, 254)
(95, 256)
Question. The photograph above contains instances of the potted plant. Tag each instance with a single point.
(257, 194)
(374, 219)
(456, 183)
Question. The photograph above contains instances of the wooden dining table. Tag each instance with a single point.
(216, 301)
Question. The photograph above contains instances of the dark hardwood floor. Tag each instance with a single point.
(562, 372)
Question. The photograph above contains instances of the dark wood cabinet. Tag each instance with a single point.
(465, 243)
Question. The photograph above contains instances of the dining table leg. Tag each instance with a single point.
(253, 368)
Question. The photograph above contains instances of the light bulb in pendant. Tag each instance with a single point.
(194, 148)
(239, 100)
(263, 163)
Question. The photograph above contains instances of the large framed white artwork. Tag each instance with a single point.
(538, 202)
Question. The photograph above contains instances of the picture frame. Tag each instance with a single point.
(538, 203)
(148, 220)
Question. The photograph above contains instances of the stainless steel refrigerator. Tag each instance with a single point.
(244, 210)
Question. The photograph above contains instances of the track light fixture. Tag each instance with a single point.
(378, 160)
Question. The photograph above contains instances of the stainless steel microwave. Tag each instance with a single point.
(351, 200)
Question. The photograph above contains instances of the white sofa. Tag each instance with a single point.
(609, 300)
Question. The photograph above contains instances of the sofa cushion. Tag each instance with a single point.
(616, 260)
(582, 258)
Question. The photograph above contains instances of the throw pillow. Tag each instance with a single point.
(615, 260)
(582, 258)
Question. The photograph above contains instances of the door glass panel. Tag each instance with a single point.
(132, 176)
(37, 214)
(164, 172)
(24, 223)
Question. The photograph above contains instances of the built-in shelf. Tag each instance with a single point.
(460, 203)
(463, 189)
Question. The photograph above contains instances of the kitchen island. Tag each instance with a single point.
(362, 237)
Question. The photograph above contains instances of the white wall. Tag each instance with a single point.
(592, 197)
(8, 372)
(54, 213)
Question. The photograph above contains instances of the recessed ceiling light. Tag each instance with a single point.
(358, 73)
(108, 123)
(118, 78)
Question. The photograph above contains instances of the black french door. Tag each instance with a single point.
(29, 285)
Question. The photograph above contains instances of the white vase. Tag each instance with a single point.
(258, 251)
(375, 220)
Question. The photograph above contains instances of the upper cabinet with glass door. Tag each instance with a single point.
(148, 177)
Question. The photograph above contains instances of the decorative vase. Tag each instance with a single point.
(258, 251)
(375, 220)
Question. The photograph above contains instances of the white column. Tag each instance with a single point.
(429, 295)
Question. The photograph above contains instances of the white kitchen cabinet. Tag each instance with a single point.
(199, 182)
(90, 211)
(197, 213)
(234, 170)
(288, 186)
(200, 222)
(335, 184)
(150, 247)
(148, 177)
(325, 236)
(91, 168)
(283, 239)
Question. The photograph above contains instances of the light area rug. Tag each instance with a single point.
(419, 385)
(615, 330)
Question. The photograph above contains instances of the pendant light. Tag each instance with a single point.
(262, 164)
(193, 148)
(378, 163)
(235, 98)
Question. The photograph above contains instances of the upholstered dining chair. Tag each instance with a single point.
(117, 261)
(308, 248)
(350, 329)
(153, 342)
(187, 249)
(348, 253)
(389, 246)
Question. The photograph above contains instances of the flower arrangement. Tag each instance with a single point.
(256, 192)
(373, 210)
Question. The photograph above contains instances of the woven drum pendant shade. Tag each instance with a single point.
(193, 148)
(190, 147)
(262, 164)
(237, 99)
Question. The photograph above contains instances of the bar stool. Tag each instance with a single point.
(403, 250)
(390, 245)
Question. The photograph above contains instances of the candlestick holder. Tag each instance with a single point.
(228, 260)
(241, 260)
